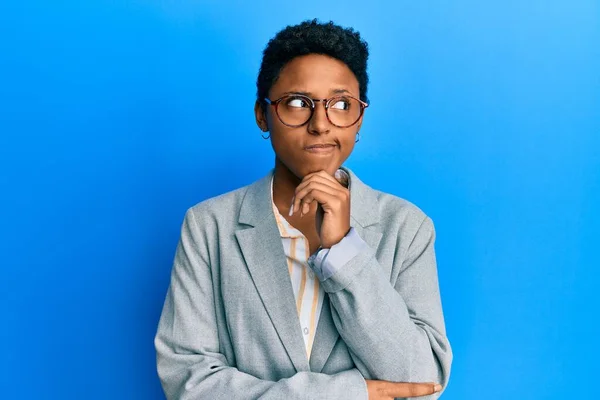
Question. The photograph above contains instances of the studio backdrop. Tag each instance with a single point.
(117, 116)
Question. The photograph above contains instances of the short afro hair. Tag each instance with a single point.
(313, 37)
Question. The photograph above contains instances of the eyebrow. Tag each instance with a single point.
(309, 94)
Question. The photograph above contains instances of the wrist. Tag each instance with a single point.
(329, 245)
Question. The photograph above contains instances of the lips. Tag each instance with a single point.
(320, 146)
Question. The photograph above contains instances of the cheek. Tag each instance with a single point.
(284, 141)
(271, 118)
(276, 127)
(348, 142)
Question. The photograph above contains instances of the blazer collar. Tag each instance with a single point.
(264, 255)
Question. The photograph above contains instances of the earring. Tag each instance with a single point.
(357, 137)
(266, 137)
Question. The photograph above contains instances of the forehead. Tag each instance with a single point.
(316, 74)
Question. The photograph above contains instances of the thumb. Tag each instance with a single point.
(342, 177)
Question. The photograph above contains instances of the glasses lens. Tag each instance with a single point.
(294, 110)
(344, 111)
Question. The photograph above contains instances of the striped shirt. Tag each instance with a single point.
(307, 291)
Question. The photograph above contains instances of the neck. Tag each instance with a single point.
(284, 186)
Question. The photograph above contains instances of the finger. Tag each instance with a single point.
(324, 178)
(303, 199)
(327, 201)
(303, 190)
(338, 179)
(320, 176)
(404, 389)
(309, 199)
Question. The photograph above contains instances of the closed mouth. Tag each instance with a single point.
(320, 146)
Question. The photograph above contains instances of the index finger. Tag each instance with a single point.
(406, 389)
(340, 176)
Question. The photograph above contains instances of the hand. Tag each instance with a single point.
(384, 390)
(333, 206)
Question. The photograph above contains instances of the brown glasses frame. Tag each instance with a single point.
(311, 101)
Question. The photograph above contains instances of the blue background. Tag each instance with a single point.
(116, 116)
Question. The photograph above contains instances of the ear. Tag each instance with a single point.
(359, 123)
(261, 116)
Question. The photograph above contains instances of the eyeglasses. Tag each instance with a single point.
(295, 110)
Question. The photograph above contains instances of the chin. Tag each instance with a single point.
(329, 167)
(301, 167)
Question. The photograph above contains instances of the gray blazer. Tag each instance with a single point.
(229, 328)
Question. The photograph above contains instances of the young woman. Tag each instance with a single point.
(306, 284)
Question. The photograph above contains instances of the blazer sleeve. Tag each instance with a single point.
(395, 331)
(189, 363)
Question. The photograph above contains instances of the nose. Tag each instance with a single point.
(318, 123)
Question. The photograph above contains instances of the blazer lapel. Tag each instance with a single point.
(263, 253)
(325, 338)
(364, 216)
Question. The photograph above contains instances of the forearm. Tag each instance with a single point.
(197, 376)
(374, 321)
(395, 331)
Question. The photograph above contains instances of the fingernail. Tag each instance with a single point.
(292, 207)
(342, 177)
(437, 388)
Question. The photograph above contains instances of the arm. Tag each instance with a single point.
(189, 363)
(394, 333)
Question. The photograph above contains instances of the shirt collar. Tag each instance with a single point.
(286, 230)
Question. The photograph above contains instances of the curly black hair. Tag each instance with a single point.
(313, 37)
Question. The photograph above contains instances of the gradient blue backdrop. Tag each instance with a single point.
(116, 116)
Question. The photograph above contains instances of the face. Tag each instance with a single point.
(318, 77)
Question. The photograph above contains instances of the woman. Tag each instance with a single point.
(306, 284)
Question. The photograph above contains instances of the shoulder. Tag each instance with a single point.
(221, 204)
(218, 210)
(393, 212)
(397, 208)
(405, 224)
(400, 217)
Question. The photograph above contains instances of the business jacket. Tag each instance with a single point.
(229, 328)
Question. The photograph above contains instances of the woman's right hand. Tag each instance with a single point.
(385, 390)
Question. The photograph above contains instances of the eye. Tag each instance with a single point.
(297, 102)
(340, 104)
